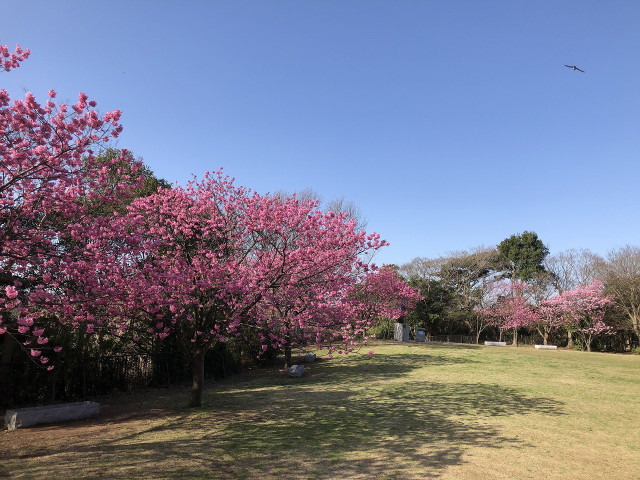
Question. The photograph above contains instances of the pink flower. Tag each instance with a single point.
(11, 291)
(35, 353)
(26, 321)
(370, 353)
(44, 360)
(57, 349)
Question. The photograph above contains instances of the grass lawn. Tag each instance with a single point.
(412, 411)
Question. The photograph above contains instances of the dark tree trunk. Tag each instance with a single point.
(197, 374)
(569, 340)
(287, 356)
(7, 348)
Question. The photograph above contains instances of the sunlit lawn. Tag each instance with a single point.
(412, 411)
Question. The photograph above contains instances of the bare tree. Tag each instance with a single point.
(424, 268)
(303, 194)
(621, 275)
(337, 205)
(342, 205)
(572, 268)
(589, 267)
(562, 267)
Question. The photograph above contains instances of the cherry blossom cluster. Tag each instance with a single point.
(12, 60)
(212, 261)
(49, 179)
(582, 309)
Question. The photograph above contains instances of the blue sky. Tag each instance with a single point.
(451, 124)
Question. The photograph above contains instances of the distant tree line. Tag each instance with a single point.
(510, 289)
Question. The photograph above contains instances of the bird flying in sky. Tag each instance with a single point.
(574, 67)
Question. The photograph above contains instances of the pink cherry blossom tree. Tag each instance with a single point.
(584, 310)
(510, 308)
(48, 178)
(309, 262)
(550, 318)
(212, 261)
(383, 293)
(313, 311)
(206, 262)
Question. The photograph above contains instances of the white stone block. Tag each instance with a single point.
(495, 344)
(25, 417)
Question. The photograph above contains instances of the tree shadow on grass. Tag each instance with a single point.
(345, 419)
(349, 368)
(423, 425)
(388, 365)
(451, 346)
(412, 430)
